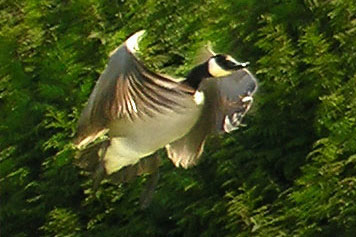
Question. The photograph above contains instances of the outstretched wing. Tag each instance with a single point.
(232, 97)
(227, 99)
(125, 90)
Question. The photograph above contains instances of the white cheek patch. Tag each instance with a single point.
(199, 97)
(215, 70)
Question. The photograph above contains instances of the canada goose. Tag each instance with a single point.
(140, 112)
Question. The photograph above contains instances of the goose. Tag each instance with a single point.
(133, 112)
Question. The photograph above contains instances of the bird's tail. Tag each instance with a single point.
(91, 161)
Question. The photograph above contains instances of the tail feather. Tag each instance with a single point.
(147, 165)
(90, 160)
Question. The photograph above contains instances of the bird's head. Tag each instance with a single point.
(220, 65)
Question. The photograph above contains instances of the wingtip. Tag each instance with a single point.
(133, 40)
(254, 79)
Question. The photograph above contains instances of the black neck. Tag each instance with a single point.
(196, 75)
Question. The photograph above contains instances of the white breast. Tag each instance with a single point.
(132, 140)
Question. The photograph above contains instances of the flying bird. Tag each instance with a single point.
(132, 112)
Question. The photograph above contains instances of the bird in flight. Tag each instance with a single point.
(132, 112)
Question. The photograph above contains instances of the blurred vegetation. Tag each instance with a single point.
(290, 172)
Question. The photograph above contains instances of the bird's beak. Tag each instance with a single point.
(239, 65)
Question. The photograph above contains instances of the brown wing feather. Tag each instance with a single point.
(125, 90)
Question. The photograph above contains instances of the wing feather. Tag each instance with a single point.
(125, 90)
(224, 108)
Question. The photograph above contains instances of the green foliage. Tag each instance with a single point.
(290, 172)
(62, 222)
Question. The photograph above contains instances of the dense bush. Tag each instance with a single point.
(290, 172)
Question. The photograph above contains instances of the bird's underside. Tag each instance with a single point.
(133, 112)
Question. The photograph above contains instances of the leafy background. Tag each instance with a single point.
(290, 172)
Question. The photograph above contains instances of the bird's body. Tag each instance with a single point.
(142, 136)
(141, 111)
